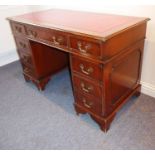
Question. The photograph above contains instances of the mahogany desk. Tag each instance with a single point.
(104, 53)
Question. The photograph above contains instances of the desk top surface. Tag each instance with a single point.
(97, 25)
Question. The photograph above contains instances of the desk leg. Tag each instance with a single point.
(138, 91)
(79, 110)
(41, 84)
(103, 122)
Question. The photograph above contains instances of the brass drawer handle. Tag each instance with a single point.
(57, 41)
(18, 29)
(87, 71)
(26, 70)
(32, 33)
(86, 89)
(22, 44)
(26, 58)
(87, 104)
(84, 49)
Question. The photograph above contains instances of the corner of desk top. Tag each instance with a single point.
(9, 18)
(147, 19)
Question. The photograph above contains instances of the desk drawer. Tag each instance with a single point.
(26, 59)
(18, 28)
(22, 44)
(89, 103)
(49, 36)
(85, 46)
(87, 86)
(87, 68)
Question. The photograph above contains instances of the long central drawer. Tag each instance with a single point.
(52, 37)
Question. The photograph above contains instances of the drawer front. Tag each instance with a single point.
(18, 28)
(87, 86)
(87, 68)
(89, 103)
(22, 44)
(52, 37)
(26, 59)
(85, 47)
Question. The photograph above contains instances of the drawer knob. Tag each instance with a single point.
(85, 48)
(22, 44)
(86, 89)
(26, 58)
(57, 41)
(86, 71)
(87, 104)
(18, 29)
(32, 33)
(26, 70)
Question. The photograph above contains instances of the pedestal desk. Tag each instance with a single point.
(103, 51)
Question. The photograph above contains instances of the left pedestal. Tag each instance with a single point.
(39, 62)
